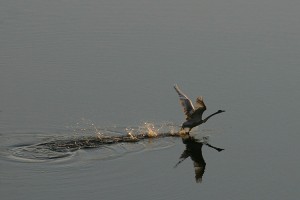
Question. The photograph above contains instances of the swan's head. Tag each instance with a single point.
(220, 111)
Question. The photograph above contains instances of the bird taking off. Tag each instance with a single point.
(193, 114)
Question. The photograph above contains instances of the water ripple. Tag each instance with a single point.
(106, 143)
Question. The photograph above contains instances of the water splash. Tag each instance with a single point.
(112, 135)
(85, 127)
(130, 132)
(151, 130)
(86, 135)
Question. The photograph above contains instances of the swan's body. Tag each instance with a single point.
(193, 114)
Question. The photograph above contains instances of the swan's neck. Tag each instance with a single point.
(210, 116)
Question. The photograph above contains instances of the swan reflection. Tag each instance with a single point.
(193, 149)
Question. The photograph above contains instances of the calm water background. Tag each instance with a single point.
(113, 64)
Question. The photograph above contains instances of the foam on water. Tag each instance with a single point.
(107, 142)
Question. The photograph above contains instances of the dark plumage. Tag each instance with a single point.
(193, 114)
(193, 149)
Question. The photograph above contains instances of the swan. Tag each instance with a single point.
(193, 114)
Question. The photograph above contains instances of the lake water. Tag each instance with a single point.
(73, 69)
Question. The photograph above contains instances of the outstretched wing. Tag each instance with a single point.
(185, 154)
(199, 107)
(186, 103)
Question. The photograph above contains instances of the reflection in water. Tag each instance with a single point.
(111, 142)
(193, 149)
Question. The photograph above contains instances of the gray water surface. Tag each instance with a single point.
(74, 68)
